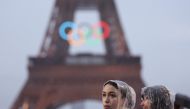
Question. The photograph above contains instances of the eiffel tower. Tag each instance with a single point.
(57, 77)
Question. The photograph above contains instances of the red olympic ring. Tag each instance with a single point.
(105, 27)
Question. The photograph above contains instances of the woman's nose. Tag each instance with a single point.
(142, 103)
(107, 100)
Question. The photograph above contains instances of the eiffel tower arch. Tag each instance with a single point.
(56, 77)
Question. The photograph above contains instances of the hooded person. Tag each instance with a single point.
(117, 94)
(156, 97)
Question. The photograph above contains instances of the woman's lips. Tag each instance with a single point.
(107, 107)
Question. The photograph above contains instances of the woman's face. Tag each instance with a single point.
(111, 97)
(145, 103)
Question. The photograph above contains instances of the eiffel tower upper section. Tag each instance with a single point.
(55, 47)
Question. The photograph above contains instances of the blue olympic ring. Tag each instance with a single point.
(66, 25)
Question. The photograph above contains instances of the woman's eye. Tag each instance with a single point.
(103, 94)
(112, 95)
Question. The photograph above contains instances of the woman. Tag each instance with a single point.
(156, 97)
(117, 94)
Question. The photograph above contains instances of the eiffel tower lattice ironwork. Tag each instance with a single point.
(56, 77)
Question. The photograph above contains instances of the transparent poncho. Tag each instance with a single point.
(128, 93)
(159, 96)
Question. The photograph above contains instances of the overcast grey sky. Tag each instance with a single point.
(157, 30)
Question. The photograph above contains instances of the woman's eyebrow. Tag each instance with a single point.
(112, 92)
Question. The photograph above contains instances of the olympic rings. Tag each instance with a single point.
(84, 33)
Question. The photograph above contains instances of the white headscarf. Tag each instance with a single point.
(127, 92)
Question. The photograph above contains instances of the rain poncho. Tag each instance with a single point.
(159, 97)
(127, 92)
